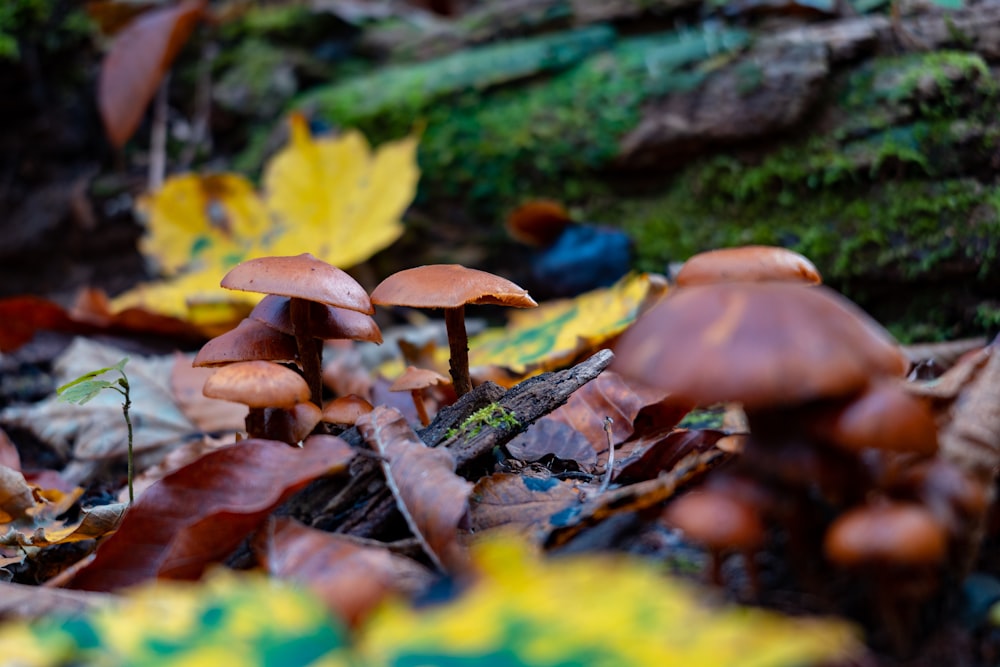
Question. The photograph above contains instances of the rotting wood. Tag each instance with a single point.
(362, 506)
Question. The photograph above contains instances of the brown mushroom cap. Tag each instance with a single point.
(249, 341)
(884, 416)
(448, 286)
(326, 322)
(293, 424)
(763, 345)
(346, 409)
(414, 378)
(301, 276)
(716, 520)
(886, 534)
(753, 263)
(257, 384)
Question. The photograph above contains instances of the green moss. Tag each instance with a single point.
(50, 25)
(493, 415)
(390, 100)
(544, 135)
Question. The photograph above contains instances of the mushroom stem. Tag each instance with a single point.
(255, 423)
(310, 348)
(418, 403)
(458, 344)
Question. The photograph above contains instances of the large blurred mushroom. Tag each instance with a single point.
(451, 287)
(745, 264)
(305, 280)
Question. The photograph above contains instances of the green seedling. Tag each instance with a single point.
(87, 386)
(493, 415)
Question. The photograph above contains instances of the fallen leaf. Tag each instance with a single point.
(139, 57)
(520, 503)
(558, 332)
(228, 618)
(197, 515)
(200, 221)
(431, 497)
(647, 457)
(23, 316)
(551, 437)
(19, 601)
(591, 610)
(97, 430)
(335, 198)
(350, 578)
(9, 457)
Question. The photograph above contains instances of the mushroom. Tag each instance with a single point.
(249, 341)
(258, 385)
(416, 381)
(763, 345)
(900, 549)
(291, 425)
(345, 410)
(326, 322)
(754, 263)
(781, 350)
(451, 287)
(884, 416)
(304, 279)
(721, 523)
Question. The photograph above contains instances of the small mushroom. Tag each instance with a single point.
(884, 416)
(721, 523)
(291, 425)
(304, 279)
(416, 381)
(326, 322)
(747, 264)
(345, 410)
(451, 287)
(249, 341)
(258, 385)
(899, 548)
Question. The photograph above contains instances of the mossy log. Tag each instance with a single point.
(834, 137)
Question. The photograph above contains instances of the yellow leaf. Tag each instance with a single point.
(555, 333)
(593, 610)
(203, 221)
(334, 198)
(195, 297)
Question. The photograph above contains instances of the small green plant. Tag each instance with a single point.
(493, 415)
(87, 386)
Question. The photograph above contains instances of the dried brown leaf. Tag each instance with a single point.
(32, 602)
(523, 503)
(200, 513)
(138, 59)
(9, 456)
(350, 578)
(432, 498)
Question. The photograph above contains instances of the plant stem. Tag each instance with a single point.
(131, 460)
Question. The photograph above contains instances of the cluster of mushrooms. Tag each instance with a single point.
(839, 469)
(272, 361)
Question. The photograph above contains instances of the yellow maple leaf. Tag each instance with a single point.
(200, 221)
(556, 332)
(333, 197)
(593, 610)
(337, 199)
